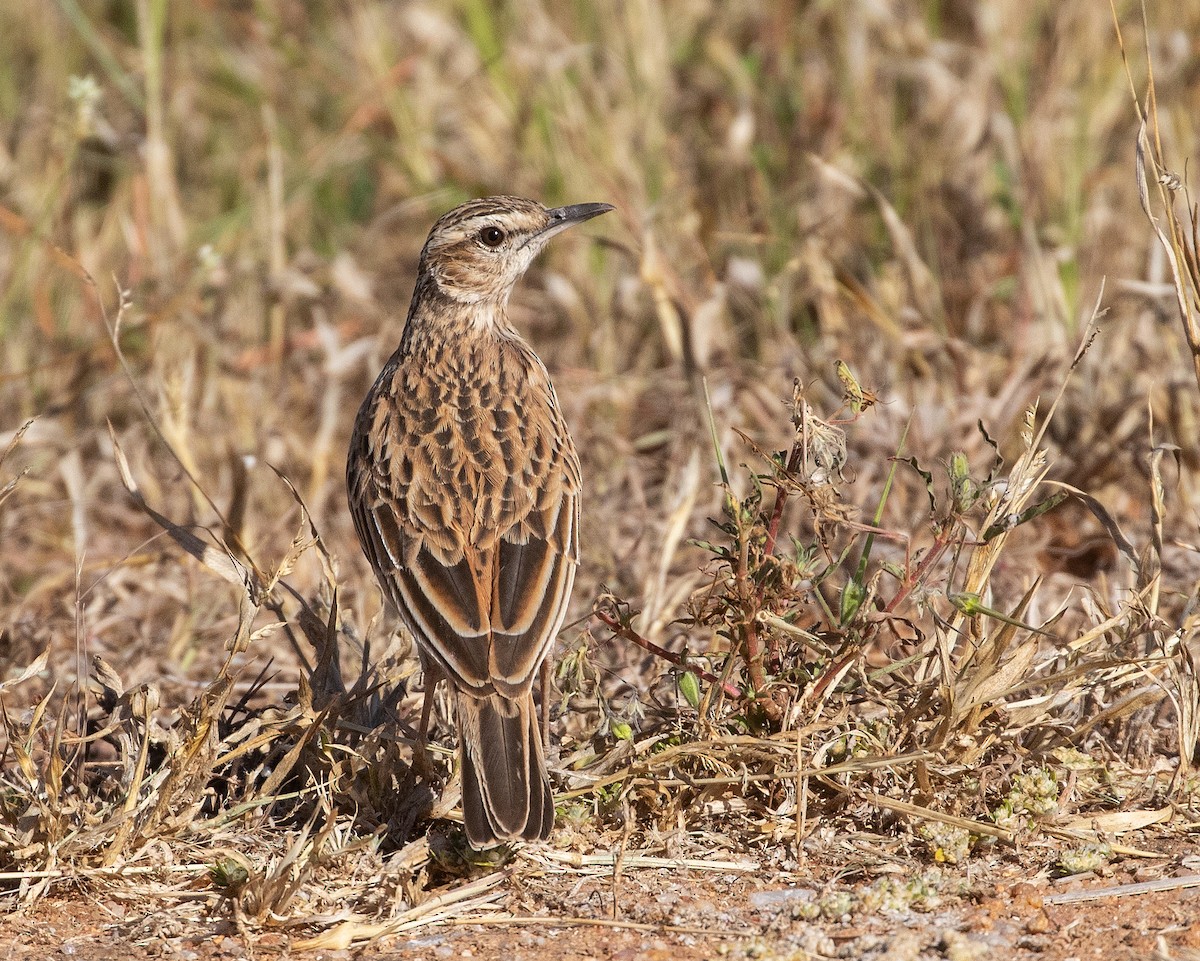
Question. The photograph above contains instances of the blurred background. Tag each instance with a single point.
(933, 192)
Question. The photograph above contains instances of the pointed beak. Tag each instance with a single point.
(577, 213)
(563, 217)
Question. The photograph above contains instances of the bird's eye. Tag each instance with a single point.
(492, 236)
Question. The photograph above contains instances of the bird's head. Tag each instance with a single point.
(477, 251)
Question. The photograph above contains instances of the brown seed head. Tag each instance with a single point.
(477, 251)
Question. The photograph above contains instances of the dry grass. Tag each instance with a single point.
(888, 419)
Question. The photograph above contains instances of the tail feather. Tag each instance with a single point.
(506, 791)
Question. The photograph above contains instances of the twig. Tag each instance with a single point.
(1125, 890)
(626, 632)
(914, 577)
(571, 860)
(750, 600)
(531, 920)
(641, 774)
(929, 814)
(781, 495)
(436, 910)
(114, 871)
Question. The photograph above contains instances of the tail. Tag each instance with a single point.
(505, 788)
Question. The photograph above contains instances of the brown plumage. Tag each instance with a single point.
(464, 486)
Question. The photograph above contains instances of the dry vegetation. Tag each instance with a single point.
(887, 415)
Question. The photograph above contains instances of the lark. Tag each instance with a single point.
(464, 485)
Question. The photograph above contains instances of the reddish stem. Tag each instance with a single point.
(780, 499)
(629, 634)
(940, 543)
(837, 670)
(781, 495)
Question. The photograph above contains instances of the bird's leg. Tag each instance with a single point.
(421, 759)
(544, 683)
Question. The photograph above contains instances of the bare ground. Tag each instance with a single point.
(684, 915)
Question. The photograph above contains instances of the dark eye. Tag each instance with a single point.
(492, 236)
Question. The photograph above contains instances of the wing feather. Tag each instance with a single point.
(516, 654)
(522, 573)
(436, 621)
(472, 534)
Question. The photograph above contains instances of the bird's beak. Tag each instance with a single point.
(577, 213)
(563, 217)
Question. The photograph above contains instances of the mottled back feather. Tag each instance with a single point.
(470, 512)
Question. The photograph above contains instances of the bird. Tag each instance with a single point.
(464, 485)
